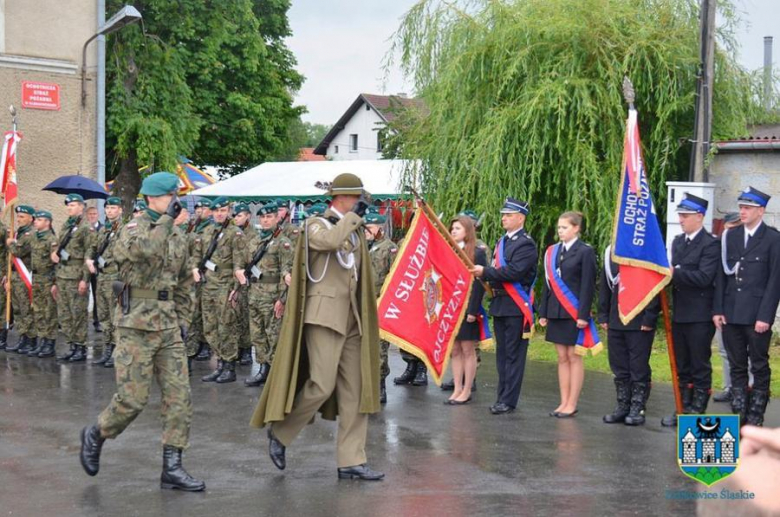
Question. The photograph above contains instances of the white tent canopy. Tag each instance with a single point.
(296, 180)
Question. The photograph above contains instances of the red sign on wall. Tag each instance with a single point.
(40, 96)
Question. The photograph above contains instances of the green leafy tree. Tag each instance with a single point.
(524, 98)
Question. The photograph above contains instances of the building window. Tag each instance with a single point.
(335, 149)
(353, 143)
(379, 141)
(368, 108)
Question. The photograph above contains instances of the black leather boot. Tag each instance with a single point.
(189, 366)
(245, 357)
(28, 345)
(213, 375)
(228, 372)
(36, 347)
(110, 361)
(204, 353)
(19, 344)
(686, 391)
(618, 416)
(67, 355)
(3, 338)
(260, 377)
(382, 392)
(108, 349)
(408, 376)
(640, 391)
(421, 378)
(173, 474)
(757, 407)
(739, 403)
(700, 399)
(80, 355)
(91, 445)
(47, 350)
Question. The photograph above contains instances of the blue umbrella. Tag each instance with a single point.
(89, 189)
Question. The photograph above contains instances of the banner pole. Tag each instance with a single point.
(670, 349)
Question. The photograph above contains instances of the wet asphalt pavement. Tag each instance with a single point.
(439, 460)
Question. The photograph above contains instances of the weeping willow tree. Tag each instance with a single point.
(524, 99)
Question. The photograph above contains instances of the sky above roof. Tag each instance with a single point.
(341, 45)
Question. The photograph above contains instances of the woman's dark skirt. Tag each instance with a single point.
(562, 331)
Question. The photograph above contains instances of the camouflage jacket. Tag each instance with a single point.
(382, 253)
(107, 235)
(291, 231)
(22, 247)
(3, 246)
(74, 267)
(275, 264)
(194, 239)
(151, 256)
(42, 244)
(227, 257)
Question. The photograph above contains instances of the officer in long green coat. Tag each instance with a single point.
(20, 247)
(155, 304)
(44, 308)
(331, 325)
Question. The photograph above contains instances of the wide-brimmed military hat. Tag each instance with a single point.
(753, 197)
(346, 184)
(691, 204)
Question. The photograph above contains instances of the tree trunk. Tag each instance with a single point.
(128, 181)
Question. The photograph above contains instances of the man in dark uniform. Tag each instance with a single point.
(695, 262)
(511, 278)
(746, 298)
(628, 347)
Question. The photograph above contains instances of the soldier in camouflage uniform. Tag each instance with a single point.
(72, 286)
(197, 348)
(289, 229)
(151, 255)
(382, 252)
(20, 296)
(242, 219)
(268, 293)
(100, 259)
(3, 263)
(219, 311)
(44, 308)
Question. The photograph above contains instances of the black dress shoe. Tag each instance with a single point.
(91, 445)
(501, 408)
(723, 396)
(276, 450)
(558, 414)
(362, 472)
(448, 386)
(460, 402)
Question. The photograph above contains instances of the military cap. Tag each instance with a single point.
(220, 202)
(691, 204)
(269, 208)
(514, 206)
(281, 203)
(140, 206)
(160, 184)
(203, 203)
(241, 207)
(25, 209)
(731, 217)
(114, 201)
(375, 218)
(471, 214)
(346, 184)
(316, 209)
(43, 214)
(753, 197)
(70, 198)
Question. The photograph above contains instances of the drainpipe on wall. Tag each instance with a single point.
(768, 72)
(100, 104)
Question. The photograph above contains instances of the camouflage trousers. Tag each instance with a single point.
(72, 311)
(242, 318)
(44, 309)
(20, 302)
(264, 327)
(2, 307)
(384, 348)
(139, 357)
(219, 320)
(106, 306)
(195, 331)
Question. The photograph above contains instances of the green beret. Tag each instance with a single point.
(113, 201)
(269, 208)
(471, 214)
(70, 198)
(241, 207)
(372, 209)
(220, 202)
(317, 209)
(43, 214)
(375, 219)
(25, 209)
(203, 203)
(140, 206)
(160, 184)
(281, 203)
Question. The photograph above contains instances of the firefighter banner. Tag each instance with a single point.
(425, 296)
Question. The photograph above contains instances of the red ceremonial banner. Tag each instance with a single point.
(425, 296)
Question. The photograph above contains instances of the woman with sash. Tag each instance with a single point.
(464, 356)
(570, 270)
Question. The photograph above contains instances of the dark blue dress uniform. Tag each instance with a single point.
(521, 258)
(696, 262)
(628, 348)
(577, 268)
(747, 291)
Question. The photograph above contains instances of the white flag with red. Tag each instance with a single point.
(8, 186)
